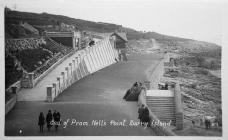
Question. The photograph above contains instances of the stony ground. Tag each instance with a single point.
(201, 92)
(96, 97)
(201, 87)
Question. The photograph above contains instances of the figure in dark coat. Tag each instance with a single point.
(140, 112)
(145, 116)
(58, 120)
(91, 43)
(41, 122)
(55, 119)
(49, 119)
(207, 123)
(56, 116)
(127, 94)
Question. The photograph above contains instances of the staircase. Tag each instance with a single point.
(161, 103)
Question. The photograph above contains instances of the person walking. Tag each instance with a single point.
(49, 119)
(145, 116)
(56, 116)
(41, 122)
(57, 120)
(140, 112)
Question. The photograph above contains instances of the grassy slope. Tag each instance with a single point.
(50, 19)
(14, 17)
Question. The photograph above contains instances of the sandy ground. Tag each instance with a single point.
(93, 98)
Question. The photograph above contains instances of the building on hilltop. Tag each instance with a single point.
(120, 43)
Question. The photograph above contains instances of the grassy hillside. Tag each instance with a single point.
(13, 18)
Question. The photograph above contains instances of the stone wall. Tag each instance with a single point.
(17, 85)
(13, 89)
(157, 76)
(85, 62)
(158, 72)
(10, 104)
(159, 130)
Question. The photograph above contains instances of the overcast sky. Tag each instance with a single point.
(196, 19)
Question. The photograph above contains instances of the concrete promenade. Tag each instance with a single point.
(95, 97)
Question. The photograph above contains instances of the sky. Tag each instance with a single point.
(195, 19)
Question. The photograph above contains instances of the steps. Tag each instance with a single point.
(163, 107)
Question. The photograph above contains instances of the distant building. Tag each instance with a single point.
(120, 43)
(66, 27)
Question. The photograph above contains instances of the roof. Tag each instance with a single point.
(121, 35)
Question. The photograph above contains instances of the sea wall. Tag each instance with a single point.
(85, 62)
(10, 104)
(156, 76)
(157, 73)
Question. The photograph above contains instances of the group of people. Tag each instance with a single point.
(133, 92)
(143, 116)
(51, 119)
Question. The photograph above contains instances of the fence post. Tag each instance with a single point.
(70, 76)
(49, 93)
(14, 89)
(59, 87)
(31, 80)
(67, 76)
(178, 107)
(54, 87)
(64, 82)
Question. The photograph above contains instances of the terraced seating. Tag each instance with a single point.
(34, 54)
